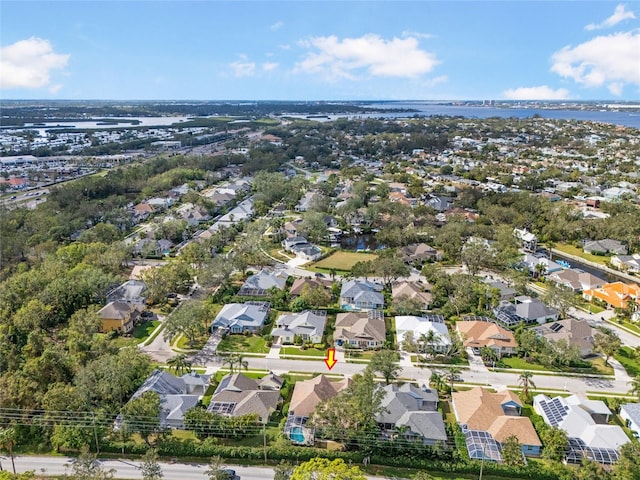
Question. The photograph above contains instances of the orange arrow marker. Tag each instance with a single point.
(331, 358)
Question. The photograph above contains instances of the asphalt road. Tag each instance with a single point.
(129, 469)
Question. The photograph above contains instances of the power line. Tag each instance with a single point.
(91, 420)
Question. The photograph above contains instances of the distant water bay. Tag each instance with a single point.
(627, 119)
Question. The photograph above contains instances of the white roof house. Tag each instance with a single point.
(630, 413)
(309, 325)
(241, 317)
(422, 325)
(585, 422)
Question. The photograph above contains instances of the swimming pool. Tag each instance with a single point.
(296, 435)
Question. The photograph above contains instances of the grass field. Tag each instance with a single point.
(142, 331)
(309, 352)
(597, 366)
(629, 361)
(241, 343)
(343, 260)
(571, 250)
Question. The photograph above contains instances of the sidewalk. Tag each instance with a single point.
(274, 352)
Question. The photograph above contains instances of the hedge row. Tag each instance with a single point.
(293, 454)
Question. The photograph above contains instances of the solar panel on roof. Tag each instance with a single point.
(223, 408)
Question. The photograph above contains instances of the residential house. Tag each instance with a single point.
(414, 410)
(487, 419)
(131, 291)
(586, 424)
(299, 284)
(525, 310)
(289, 243)
(258, 285)
(627, 263)
(177, 395)
(359, 295)
(160, 203)
(577, 333)
(478, 334)
(138, 271)
(238, 395)
(630, 413)
(430, 327)
(308, 325)
(364, 330)
(576, 280)
(528, 240)
(531, 263)
(506, 292)
(418, 253)
(241, 317)
(308, 252)
(119, 316)
(305, 202)
(192, 214)
(607, 246)
(413, 291)
(151, 247)
(615, 295)
(307, 394)
(142, 211)
(439, 203)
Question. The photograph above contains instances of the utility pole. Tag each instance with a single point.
(264, 439)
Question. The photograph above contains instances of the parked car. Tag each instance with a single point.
(475, 350)
(231, 474)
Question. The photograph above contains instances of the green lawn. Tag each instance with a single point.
(242, 343)
(521, 364)
(343, 260)
(626, 356)
(309, 352)
(571, 250)
(597, 366)
(143, 330)
(626, 324)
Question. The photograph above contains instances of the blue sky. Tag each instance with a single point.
(320, 50)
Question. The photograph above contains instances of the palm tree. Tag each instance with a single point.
(526, 382)
(231, 361)
(180, 363)
(436, 380)
(540, 269)
(8, 437)
(241, 362)
(236, 360)
(452, 375)
(635, 387)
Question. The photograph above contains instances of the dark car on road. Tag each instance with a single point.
(230, 474)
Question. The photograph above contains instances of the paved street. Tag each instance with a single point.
(129, 469)
(422, 375)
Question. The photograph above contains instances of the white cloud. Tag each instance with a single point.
(432, 82)
(277, 26)
(620, 14)
(53, 89)
(243, 67)
(543, 92)
(408, 33)
(28, 63)
(370, 54)
(610, 60)
(269, 66)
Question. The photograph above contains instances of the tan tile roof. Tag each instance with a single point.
(410, 290)
(481, 409)
(309, 393)
(358, 325)
(481, 334)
